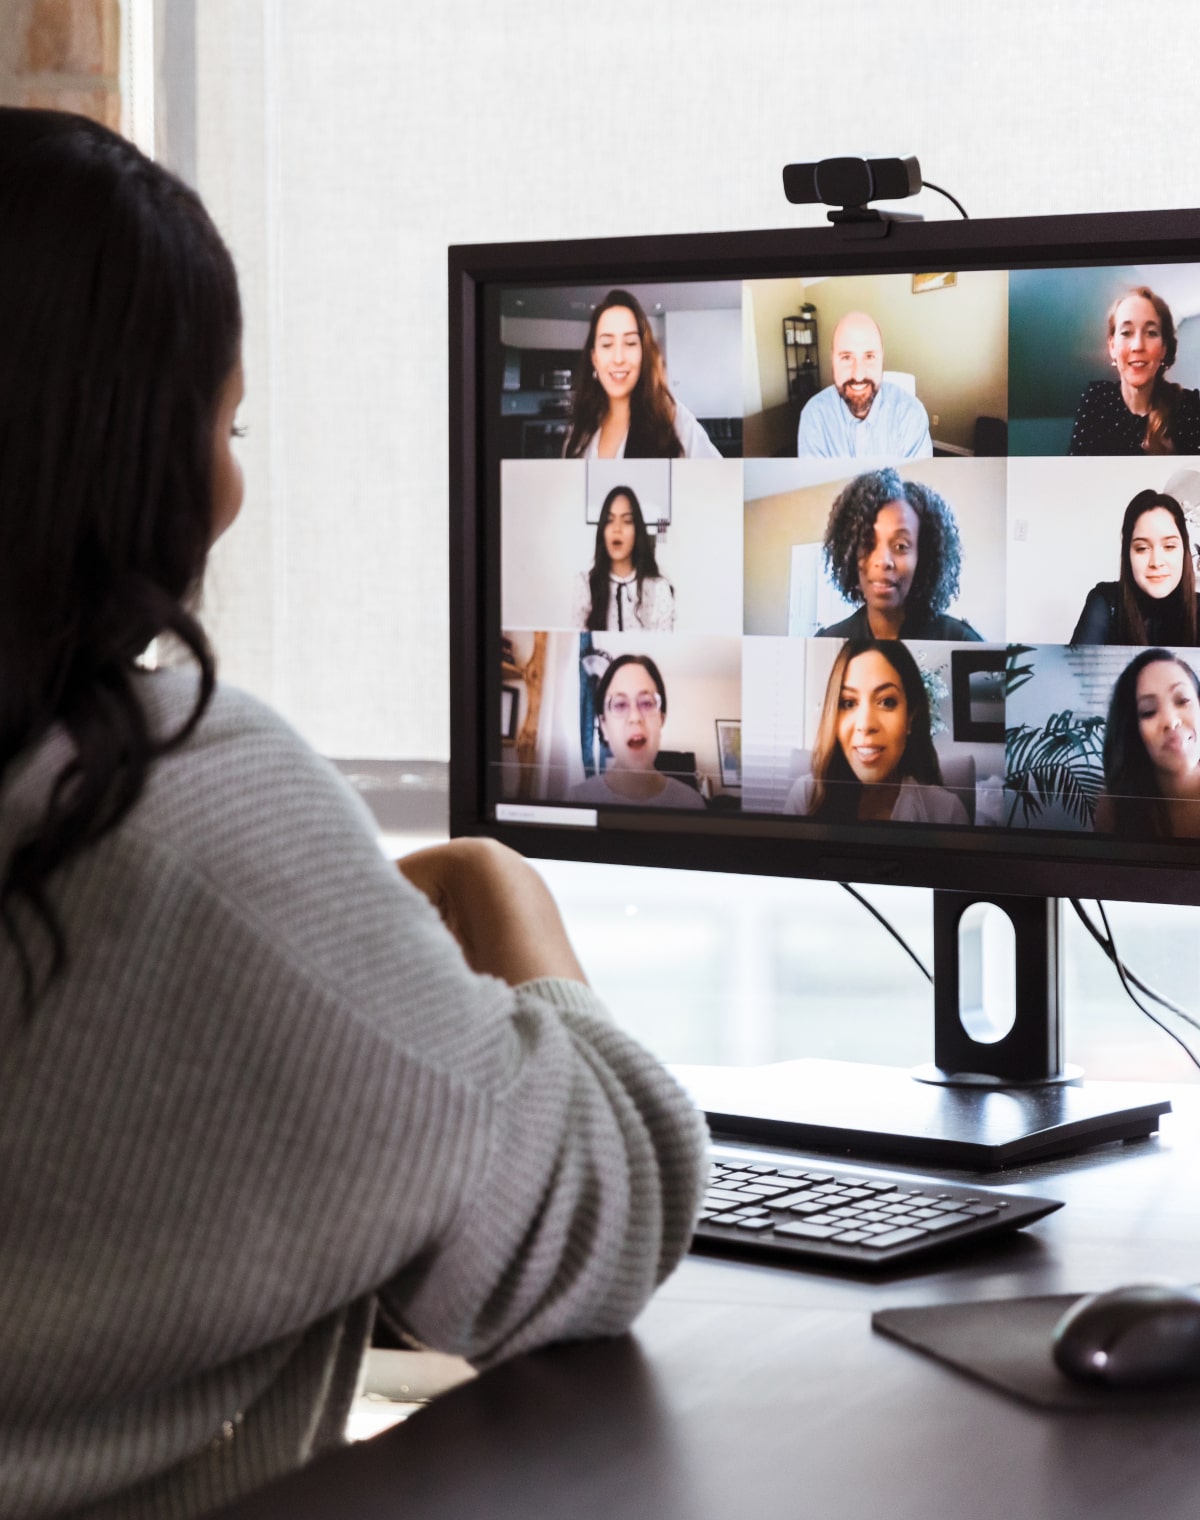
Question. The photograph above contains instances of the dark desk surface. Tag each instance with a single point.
(762, 1391)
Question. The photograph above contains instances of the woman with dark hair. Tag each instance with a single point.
(624, 588)
(874, 756)
(252, 1081)
(892, 545)
(1152, 750)
(631, 703)
(1141, 411)
(622, 407)
(1154, 602)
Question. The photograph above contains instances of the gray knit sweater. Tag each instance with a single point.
(267, 1094)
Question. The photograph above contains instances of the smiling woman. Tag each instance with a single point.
(622, 407)
(874, 757)
(1154, 602)
(1141, 411)
(1152, 750)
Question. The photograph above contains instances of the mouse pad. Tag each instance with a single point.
(1006, 1344)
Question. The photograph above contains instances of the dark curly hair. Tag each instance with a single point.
(850, 533)
(121, 324)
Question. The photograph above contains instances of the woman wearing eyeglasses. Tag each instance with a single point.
(632, 703)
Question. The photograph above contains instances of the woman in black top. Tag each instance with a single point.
(1141, 411)
(1154, 602)
(892, 545)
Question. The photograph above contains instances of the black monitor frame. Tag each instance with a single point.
(1016, 862)
(992, 864)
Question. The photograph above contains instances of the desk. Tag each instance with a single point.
(762, 1391)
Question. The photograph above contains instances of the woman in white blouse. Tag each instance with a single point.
(622, 407)
(624, 588)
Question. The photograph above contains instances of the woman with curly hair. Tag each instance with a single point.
(622, 407)
(874, 756)
(624, 588)
(892, 545)
(1141, 411)
(1152, 751)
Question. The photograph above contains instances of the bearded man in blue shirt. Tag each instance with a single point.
(862, 415)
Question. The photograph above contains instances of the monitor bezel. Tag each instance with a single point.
(1015, 862)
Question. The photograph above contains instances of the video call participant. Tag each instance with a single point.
(893, 546)
(1154, 602)
(622, 407)
(1141, 411)
(874, 757)
(861, 413)
(1152, 750)
(256, 1081)
(624, 588)
(631, 701)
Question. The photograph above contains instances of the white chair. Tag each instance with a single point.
(902, 378)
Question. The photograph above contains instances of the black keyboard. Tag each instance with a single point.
(849, 1216)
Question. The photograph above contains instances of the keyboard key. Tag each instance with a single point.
(892, 1238)
(946, 1221)
(754, 1224)
(805, 1230)
(722, 1195)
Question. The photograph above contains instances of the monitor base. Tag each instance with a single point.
(884, 1113)
(930, 1073)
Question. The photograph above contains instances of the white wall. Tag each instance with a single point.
(343, 144)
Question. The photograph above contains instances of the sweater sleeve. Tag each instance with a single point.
(505, 1166)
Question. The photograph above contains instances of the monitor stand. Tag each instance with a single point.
(997, 1093)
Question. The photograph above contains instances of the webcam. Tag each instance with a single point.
(849, 183)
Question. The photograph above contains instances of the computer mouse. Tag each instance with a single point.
(1145, 1333)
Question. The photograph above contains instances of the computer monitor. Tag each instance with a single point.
(843, 557)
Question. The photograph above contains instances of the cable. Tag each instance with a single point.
(1136, 1001)
(895, 933)
(1129, 979)
(928, 185)
(1110, 950)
